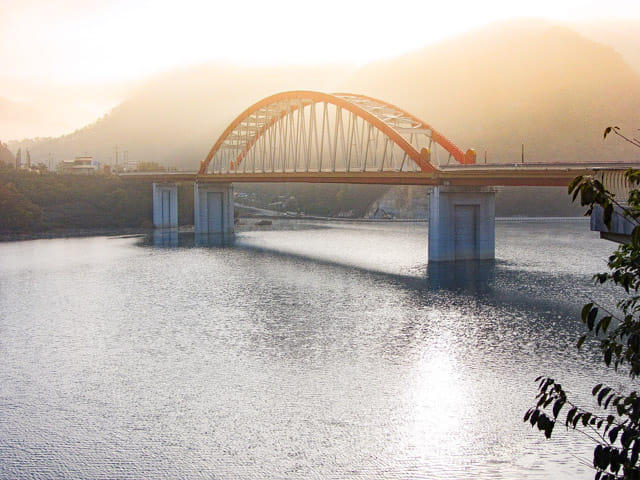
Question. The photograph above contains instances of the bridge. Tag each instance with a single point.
(308, 136)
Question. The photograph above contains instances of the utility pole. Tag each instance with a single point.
(522, 153)
(116, 158)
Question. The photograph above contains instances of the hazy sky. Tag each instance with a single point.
(46, 44)
(77, 41)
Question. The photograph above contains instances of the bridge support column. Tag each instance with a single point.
(165, 205)
(213, 208)
(461, 223)
(621, 226)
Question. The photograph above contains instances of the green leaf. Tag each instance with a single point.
(581, 341)
(627, 435)
(574, 183)
(603, 393)
(534, 417)
(557, 406)
(635, 236)
(608, 400)
(591, 318)
(613, 434)
(576, 419)
(570, 416)
(608, 353)
(607, 214)
(605, 322)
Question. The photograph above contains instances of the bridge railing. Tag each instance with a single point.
(616, 183)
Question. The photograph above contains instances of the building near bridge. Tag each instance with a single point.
(78, 166)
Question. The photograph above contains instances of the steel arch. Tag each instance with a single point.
(270, 117)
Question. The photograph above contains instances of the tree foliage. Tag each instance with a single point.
(615, 427)
(17, 213)
(43, 201)
(6, 157)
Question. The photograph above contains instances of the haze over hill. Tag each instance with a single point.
(517, 83)
(620, 34)
(54, 109)
(174, 119)
(492, 89)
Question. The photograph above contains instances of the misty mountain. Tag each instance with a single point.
(492, 89)
(16, 117)
(518, 83)
(175, 118)
(53, 109)
(620, 34)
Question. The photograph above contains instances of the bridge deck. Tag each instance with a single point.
(541, 174)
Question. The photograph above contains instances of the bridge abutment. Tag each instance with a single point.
(165, 205)
(461, 223)
(213, 208)
(621, 226)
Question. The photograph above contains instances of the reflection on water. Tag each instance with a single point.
(321, 351)
(170, 238)
(466, 275)
(165, 237)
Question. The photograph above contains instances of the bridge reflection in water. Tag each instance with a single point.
(470, 276)
(171, 238)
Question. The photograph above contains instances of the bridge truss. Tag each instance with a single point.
(313, 132)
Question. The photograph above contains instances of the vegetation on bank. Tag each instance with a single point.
(614, 425)
(39, 202)
(31, 202)
(324, 200)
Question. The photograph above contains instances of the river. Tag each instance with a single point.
(326, 350)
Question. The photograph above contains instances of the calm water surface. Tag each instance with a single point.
(304, 350)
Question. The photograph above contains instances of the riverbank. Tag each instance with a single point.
(72, 233)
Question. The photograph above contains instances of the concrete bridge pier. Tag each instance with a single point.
(621, 226)
(165, 205)
(461, 223)
(213, 208)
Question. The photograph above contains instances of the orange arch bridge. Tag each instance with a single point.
(341, 137)
(307, 131)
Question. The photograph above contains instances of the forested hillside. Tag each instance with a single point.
(6, 157)
(31, 202)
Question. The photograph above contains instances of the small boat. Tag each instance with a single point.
(262, 223)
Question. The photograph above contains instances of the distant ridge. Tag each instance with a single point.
(498, 88)
(620, 34)
(493, 89)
